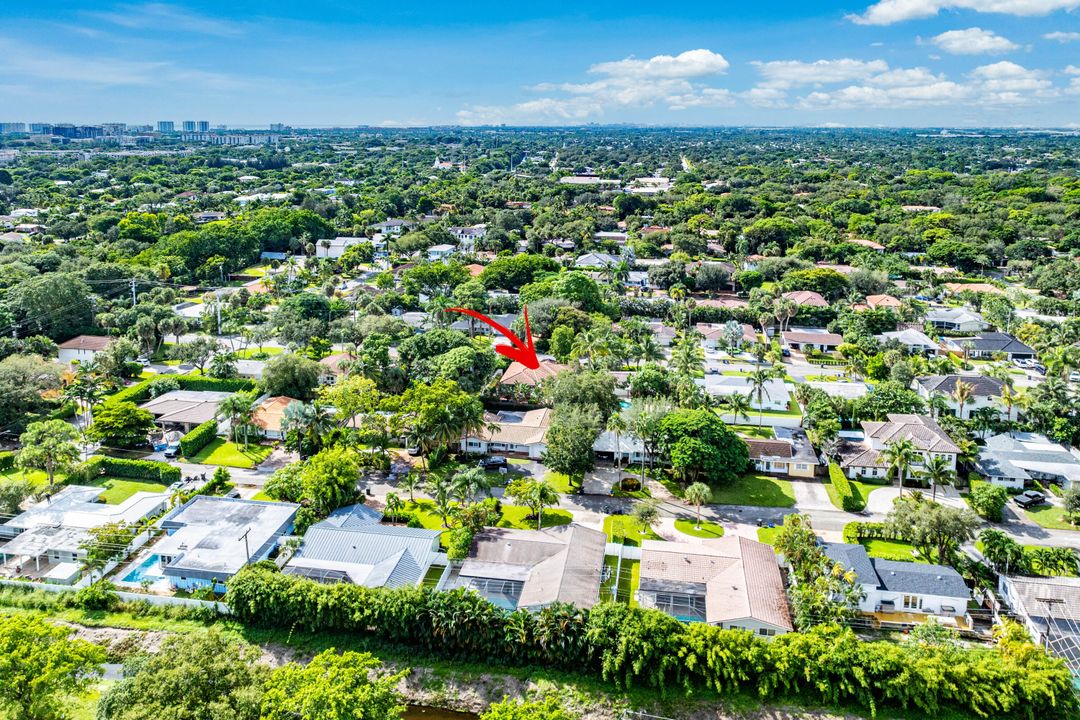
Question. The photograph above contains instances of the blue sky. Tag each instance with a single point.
(341, 62)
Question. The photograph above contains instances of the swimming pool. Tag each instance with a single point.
(148, 569)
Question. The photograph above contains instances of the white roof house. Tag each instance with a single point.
(775, 395)
(336, 247)
(1013, 460)
(914, 340)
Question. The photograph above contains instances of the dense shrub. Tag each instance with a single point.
(850, 500)
(634, 646)
(7, 460)
(989, 500)
(151, 470)
(141, 391)
(199, 437)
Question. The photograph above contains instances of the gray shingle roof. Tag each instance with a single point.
(982, 386)
(919, 578)
(853, 557)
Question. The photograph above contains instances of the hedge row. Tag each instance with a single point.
(140, 391)
(849, 499)
(858, 531)
(199, 437)
(100, 465)
(634, 647)
(7, 460)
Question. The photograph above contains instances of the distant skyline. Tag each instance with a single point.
(898, 63)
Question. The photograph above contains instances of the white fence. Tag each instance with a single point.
(125, 596)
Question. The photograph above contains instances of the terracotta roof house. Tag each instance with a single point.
(514, 432)
(867, 244)
(518, 374)
(532, 569)
(333, 365)
(82, 348)
(882, 301)
(474, 269)
(807, 297)
(268, 415)
(731, 582)
(864, 459)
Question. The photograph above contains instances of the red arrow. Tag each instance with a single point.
(522, 352)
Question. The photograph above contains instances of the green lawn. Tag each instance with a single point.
(627, 530)
(224, 452)
(254, 352)
(261, 495)
(629, 577)
(37, 477)
(517, 516)
(765, 432)
(792, 411)
(707, 529)
(862, 491)
(117, 490)
(892, 550)
(559, 481)
(767, 535)
(754, 489)
(1051, 516)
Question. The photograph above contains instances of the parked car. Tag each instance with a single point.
(1029, 498)
(172, 451)
(1075, 376)
(492, 462)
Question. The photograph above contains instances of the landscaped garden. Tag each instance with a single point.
(117, 490)
(1051, 517)
(755, 489)
(627, 530)
(224, 452)
(706, 529)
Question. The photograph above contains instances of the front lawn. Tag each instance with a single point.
(38, 478)
(767, 535)
(626, 530)
(755, 489)
(1052, 517)
(892, 550)
(117, 490)
(517, 516)
(559, 481)
(862, 492)
(764, 432)
(254, 353)
(224, 452)
(687, 526)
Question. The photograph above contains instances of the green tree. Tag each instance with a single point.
(698, 445)
(197, 351)
(989, 500)
(533, 494)
(292, 376)
(931, 527)
(329, 479)
(50, 446)
(106, 543)
(938, 471)
(899, 456)
(646, 513)
(42, 667)
(192, 676)
(697, 494)
(13, 491)
(57, 305)
(570, 440)
(121, 424)
(824, 591)
(333, 687)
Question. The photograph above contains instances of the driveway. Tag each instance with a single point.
(811, 495)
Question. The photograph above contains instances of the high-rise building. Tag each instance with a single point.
(12, 127)
(203, 126)
(189, 126)
(114, 129)
(164, 126)
(278, 127)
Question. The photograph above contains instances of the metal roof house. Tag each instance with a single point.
(353, 546)
(1013, 460)
(211, 538)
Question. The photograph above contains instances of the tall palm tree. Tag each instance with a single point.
(697, 494)
(938, 404)
(739, 405)
(938, 472)
(648, 350)
(962, 393)
(238, 408)
(688, 357)
(899, 456)
(758, 378)
(616, 424)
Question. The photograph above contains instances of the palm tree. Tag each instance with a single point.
(616, 424)
(394, 505)
(688, 357)
(238, 408)
(961, 394)
(739, 405)
(758, 378)
(938, 472)
(466, 484)
(1009, 396)
(697, 494)
(648, 350)
(438, 487)
(938, 404)
(984, 419)
(541, 495)
(410, 484)
(899, 456)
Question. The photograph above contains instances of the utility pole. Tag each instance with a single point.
(132, 292)
(217, 309)
(247, 550)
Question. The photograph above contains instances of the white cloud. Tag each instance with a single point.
(689, 64)
(936, 93)
(794, 73)
(1062, 37)
(973, 41)
(168, 18)
(766, 97)
(667, 80)
(905, 77)
(1072, 70)
(887, 12)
